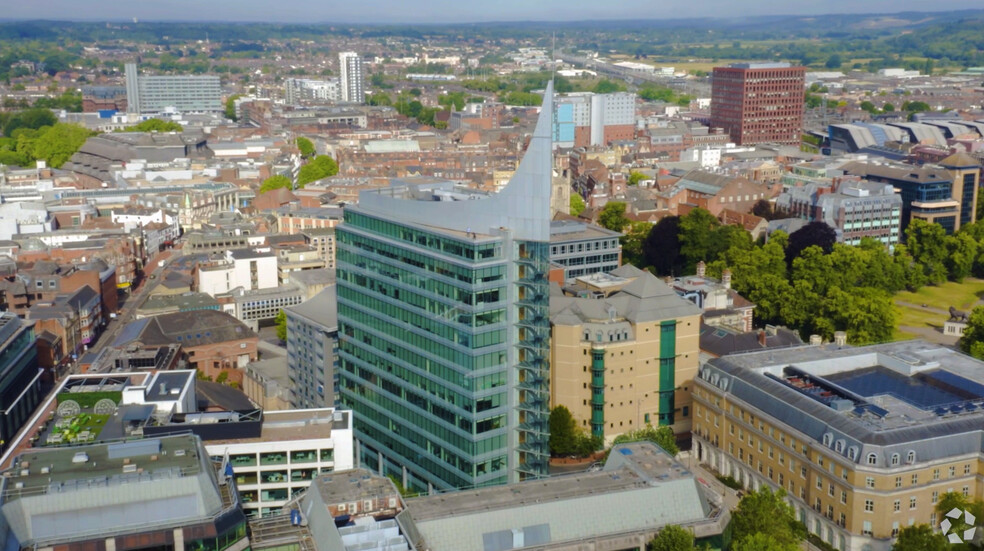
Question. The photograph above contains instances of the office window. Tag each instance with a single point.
(915, 479)
(936, 496)
(936, 474)
(843, 497)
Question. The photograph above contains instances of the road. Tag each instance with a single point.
(135, 299)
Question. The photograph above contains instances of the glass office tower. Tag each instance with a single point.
(443, 311)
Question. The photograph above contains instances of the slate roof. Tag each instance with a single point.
(901, 429)
(645, 299)
(721, 342)
(189, 329)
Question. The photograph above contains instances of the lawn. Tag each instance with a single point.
(961, 296)
(937, 300)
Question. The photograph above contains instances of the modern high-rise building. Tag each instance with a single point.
(444, 330)
(184, 93)
(351, 79)
(20, 376)
(584, 118)
(759, 102)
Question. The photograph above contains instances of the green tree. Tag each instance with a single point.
(762, 542)
(815, 233)
(662, 436)
(379, 98)
(613, 216)
(672, 538)
(972, 341)
(961, 252)
(57, 144)
(230, 107)
(577, 204)
(281, 322)
(155, 125)
(766, 512)
(926, 243)
(697, 236)
(306, 147)
(222, 377)
(563, 431)
(635, 178)
(834, 62)
(920, 537)
(322, 166)
(275, 182)
(633, 242)
(606, 86)
(30, 118)
(888, 108)
(956, 500)
(661, 249)
(868, 106)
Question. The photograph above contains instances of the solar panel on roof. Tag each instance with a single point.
(955, 383)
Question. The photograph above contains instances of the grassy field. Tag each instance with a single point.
(961, 296)
(924, 311)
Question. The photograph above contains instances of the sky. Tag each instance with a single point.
(444, 11)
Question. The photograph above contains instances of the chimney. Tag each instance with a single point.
(816, 340)
(840, 338)
(762, 336)
(726, 278)
(701, 267)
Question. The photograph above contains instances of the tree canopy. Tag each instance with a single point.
(230, 107)
(672, 538)
(613, 216)
(29, 118)
(276, 181)
(567, 438)
(764, 512)
(577, 204)
(635, 178)
(920, 537)
(662, 436)
(321, 166)
(281, 321)
(155, 125)
(305, 146)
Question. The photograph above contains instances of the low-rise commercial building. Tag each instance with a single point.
(583, 248)
(164, 492)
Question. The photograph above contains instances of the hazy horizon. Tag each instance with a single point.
(444, 11)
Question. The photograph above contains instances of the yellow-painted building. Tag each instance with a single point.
(624, 351)
(863, 440)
